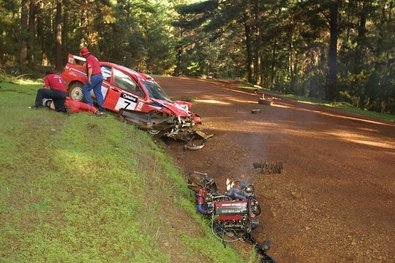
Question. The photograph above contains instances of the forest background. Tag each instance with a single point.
(336, 50)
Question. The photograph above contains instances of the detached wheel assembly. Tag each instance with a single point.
(194, 145)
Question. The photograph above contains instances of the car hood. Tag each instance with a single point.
(178, 108)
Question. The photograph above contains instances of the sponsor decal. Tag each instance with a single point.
(236, 204)
(126, 101)
(139, 106)
(129, 97)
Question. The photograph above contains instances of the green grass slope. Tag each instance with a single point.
(82, 188)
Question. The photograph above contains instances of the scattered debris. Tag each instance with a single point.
(164, 126)
(197, 180)
(265, 101)
(296, 195)
(203, 135)
(269, 167)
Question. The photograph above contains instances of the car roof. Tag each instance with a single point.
(128, 70)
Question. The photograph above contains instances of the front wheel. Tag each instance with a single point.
(153, 132)
(75, 91)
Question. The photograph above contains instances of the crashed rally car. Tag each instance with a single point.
(136, 96)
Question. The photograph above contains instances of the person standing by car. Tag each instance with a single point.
(54, 88)
(94, 81)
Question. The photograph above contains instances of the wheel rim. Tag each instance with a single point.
(76, 93)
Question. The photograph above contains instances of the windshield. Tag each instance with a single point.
(155, 91)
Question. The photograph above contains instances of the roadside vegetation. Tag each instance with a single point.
(329, 50)
(343, 106)
(81, 188)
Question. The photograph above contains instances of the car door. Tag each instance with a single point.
(110, 93)
(122, 92)
(106, 72)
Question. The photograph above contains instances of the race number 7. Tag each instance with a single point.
(127, 103)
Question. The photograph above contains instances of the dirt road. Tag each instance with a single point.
(335, 199)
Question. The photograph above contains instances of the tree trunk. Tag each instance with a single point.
(23, 43)
(32, 32)
(291, 65)
(178, 71)
(40, 33)
(258, 9)
(273, 66)
(361, 40)
(85, 41)
(249, 56)
(58, 36)
(65, 30)
(331, 89)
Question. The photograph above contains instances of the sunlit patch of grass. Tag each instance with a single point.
(18, 80)
(76, 198)
(349, 108)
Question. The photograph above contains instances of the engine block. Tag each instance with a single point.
(231, 210)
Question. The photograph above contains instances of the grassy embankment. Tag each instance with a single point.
(82, 188)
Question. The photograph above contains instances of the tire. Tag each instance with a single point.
(75, 91)
(194, 145)
(153, 132)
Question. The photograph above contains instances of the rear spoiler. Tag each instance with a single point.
(73, 59)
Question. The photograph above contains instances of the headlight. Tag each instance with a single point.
(182, 106)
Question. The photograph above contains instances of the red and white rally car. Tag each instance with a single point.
(136, 96)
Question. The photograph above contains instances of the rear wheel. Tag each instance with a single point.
(75, 91)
